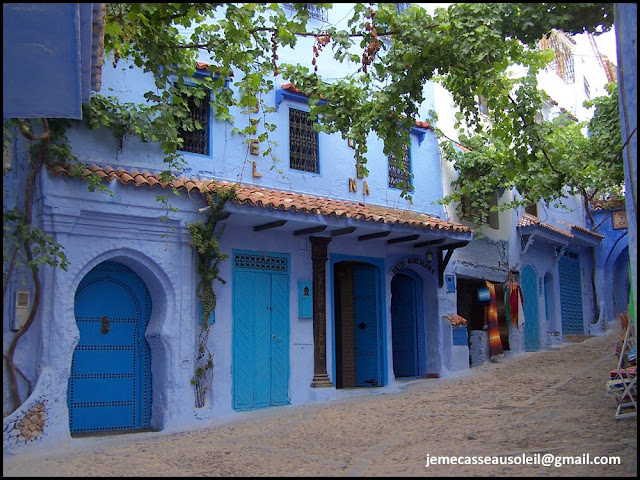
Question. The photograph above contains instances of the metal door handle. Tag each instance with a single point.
(106, 325)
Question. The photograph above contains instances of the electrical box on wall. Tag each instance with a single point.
(23, 306)
(305, 300)
(451, 283)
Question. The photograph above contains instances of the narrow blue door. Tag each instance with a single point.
(279, 339)
(404, 326)
(367, 319)
(260, 334)
(531, 321)
(570, 294)
(110, 383)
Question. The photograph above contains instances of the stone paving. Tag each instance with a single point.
(509, 412)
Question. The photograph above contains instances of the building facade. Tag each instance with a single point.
(334, 285)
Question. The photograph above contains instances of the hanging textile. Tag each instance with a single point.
(491, 316)
(515, 302)
(502, 316)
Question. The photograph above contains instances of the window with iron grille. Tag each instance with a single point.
(398, 175)
(318, 13)
(303, 142)
(197, 141)
(587, 89)
(563, 63)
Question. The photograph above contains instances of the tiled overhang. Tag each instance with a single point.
(583, 237)
(529, 224)
(271, 199)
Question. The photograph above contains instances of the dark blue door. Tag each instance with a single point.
(260, 331)
(531, 321)
(367, 321)
(404, 326)
(110, 383)
(570, 294)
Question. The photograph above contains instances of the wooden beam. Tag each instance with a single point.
(442, 262)
(342, 231)
(453, 246)
(307, 231)
(403, 239)
(428, 243)
(265, 226)
(373, 235)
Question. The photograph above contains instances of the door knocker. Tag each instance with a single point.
(105, 325)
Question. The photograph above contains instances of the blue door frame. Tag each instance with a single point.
(380, 327)
(110, 383)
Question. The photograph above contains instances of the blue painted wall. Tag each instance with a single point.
(626, 20)
(47, 59)
(612, 255)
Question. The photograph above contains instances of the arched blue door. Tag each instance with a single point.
(531, 321)
(110, 383)
(404, 326)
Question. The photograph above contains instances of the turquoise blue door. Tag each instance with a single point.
(404, 331)
(367, 320)
(260, 331)
(570, 294)
(531, 320)
(110, 383)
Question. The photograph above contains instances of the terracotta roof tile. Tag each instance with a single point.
(529, 220)
(582, 229)
(276, 199)
(456, 320)
(609, 203)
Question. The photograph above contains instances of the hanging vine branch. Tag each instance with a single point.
(206, 242)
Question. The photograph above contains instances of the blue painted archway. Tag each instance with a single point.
(529, 283)
(110, 383)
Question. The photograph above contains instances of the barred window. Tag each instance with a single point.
(303, 142)
(587, 89)
(197, 141)
(563, 63)
(398, 175)
(316, 12)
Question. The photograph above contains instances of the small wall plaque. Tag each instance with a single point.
(619, 218)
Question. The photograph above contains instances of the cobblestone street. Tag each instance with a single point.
(549, 402)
